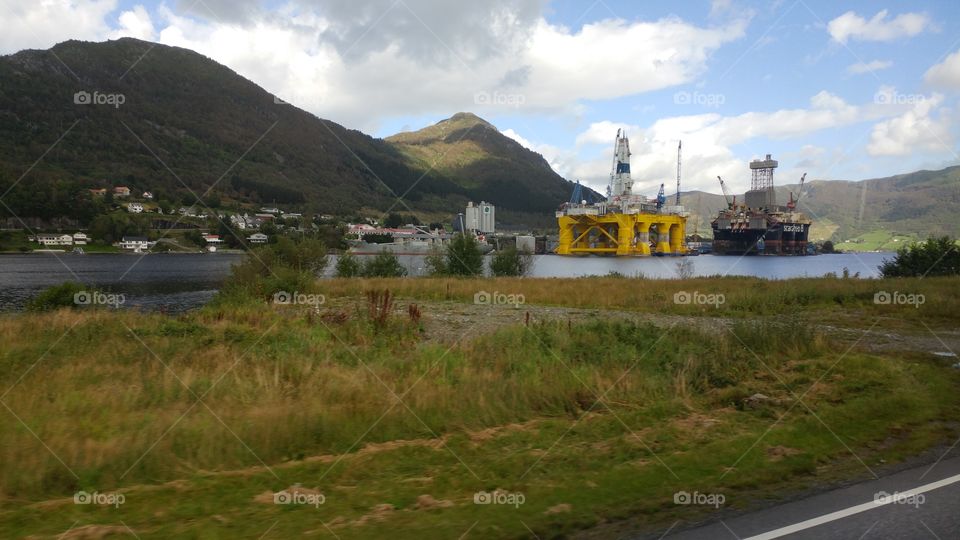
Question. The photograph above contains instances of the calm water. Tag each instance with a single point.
(156, 281)
(184, 281)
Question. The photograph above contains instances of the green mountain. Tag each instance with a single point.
(484, 161)
(917, 204)
(185, 123)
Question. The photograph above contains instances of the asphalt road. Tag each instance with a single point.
(927, 505)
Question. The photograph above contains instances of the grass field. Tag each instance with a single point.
(190, 426)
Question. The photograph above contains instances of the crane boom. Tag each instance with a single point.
(726, 194)
(793, 202)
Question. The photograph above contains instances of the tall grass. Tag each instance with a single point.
(743, 296)
(118, 397)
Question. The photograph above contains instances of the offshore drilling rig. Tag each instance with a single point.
(759, 226)
(624, 224)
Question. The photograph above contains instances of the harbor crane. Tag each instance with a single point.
(726, 194)
(792, 204)
(661, 198)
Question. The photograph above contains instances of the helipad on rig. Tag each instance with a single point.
(624, 224)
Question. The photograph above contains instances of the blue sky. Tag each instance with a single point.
(851, 91)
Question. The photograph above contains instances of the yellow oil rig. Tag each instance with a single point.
(624, 224)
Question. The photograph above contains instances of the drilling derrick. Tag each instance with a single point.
(625, 224)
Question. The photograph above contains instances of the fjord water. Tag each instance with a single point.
(183, 281)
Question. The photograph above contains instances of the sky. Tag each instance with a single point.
(839, 90)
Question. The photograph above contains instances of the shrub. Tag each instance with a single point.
(462, 257)
(933, 257)
(385, 264)
(511, 262)
(55, 297)
(348, 266)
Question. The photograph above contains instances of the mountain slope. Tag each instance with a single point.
(484, 161)
(187, 123)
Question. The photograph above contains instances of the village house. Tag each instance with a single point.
(98, 192)
(258, 238)
(147, 195)
(134, 243)
(80, 239)
(47, 240)
(121, 191)
(135, 208)
(213, 238)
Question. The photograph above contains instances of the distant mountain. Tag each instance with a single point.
(187, 123)
(482, 160)
(921, 203)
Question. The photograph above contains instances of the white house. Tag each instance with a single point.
(135, 243)
(135, 208)
(258, 238)
(55, 239)
(80, 239)
(147, 195)
(213, 238)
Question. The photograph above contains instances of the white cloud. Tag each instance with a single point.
(912, 132)
(945, 75)
(852, 26)
(708, 140)
(541, 67)
(135, 23)
(40, 25)
(868, 67)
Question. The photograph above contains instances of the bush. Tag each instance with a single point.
(348, 266)
(511, 262)
(287, 265)
(933, 257)
(55, 297)
(462, 257)
(385, 264)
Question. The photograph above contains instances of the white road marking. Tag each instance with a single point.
(840, 514)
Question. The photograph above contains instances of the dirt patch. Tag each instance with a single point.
(426, 502)
(94, 532)
(561, 508)
(776, 453)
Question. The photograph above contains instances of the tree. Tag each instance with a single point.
(511, 262)
(827, 247)
(393, 220)
(348, 266)
(463, 257)
(932, 257)
(385, 264)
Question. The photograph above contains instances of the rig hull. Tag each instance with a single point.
(777, 238)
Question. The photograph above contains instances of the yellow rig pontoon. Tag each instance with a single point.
(624, 224)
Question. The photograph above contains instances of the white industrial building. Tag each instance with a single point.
(480, 217)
